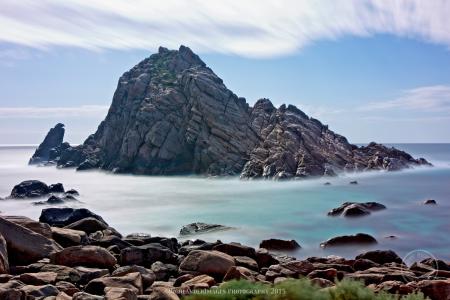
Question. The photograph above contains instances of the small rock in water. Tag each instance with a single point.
(354, 182)
(56, 188)
(353, 209)
(327, 183)
(72, 192)
(30, 189)
(52, 200)
(277, 244)
(344, 240)
(430, 202)
(199, 227)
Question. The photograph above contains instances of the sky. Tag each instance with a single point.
(373, 70)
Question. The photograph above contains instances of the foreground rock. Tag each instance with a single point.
(87, 256)
(25, 245)
(171, 114)
(48, 149)
(346, 240)
(212, 263)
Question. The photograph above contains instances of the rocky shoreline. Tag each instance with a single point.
(75, 254)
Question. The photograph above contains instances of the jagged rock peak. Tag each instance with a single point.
(171, 114)
(46, 149)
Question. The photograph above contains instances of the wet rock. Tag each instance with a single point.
(66, 287)
(277, 244)
(72, 192)
(265, 259)
(345, 240)
(198, 227)
(26, 246)
(30, 189)
(213, 263)
(52, 140)
(381, 256)
(52, 200)
(61, 217)
(197, 245)
(88, 256)
(56, 188)
(88, 225)
(354, 182)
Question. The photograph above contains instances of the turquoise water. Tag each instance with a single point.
(260, 209)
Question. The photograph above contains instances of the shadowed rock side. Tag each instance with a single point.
(48, 149)
(171, 114)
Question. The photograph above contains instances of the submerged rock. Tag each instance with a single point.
(65, 216)
(199, 227)
(171, 114)
(277, 244)
(430, 202)
(352, 209)
(30, 189)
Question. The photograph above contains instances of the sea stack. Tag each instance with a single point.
(171, 114)
(52, 141)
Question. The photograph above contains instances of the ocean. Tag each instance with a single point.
(260, 210)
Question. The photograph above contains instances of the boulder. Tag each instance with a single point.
(132, 281)
(30, 189)
(56, 188)
(41, 228)
(63, 296)
(148, 277)
(146, 255)
(199, 282)
(40, 291)
(52, 140)
(244, 261)
(26, 246)
(68, 237)
(235, 249)
(4, 262)
(118, 293)
(86, 296)
(72, 192)
(280, 245)
(87, 256)
(88, 274)
(346, 240)
(381, 256)
(61, 217)
(238, 273)
(164, 271)
(88, 225)
(435, 289)
(66, 287)
(350, 209)
(41, 278)
(213, 263)
(430, 202)
(265, 259)
(199, 227)
(364, 264)
(11, 294)
(52, 200)
(162, 293)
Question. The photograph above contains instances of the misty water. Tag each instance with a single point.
(259, 209)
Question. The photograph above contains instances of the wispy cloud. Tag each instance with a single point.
(50, 112)
(257, 28)
(423, 99)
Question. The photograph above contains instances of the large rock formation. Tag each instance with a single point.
(171, 114)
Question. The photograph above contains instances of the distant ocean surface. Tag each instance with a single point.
(260, 209)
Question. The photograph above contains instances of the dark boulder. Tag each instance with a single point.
(277, 244)
(88, 225)
(64, 216)
(53, 140)
(30, 189)
(52, 200)
(235, 249)
(352, 209)
(345, 240)
(430, 202)
(381, 256)
(56, 188)
(146, 255)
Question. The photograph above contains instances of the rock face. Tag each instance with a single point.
(171, 114)
(48, 149)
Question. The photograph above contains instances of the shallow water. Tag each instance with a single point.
(260, 209)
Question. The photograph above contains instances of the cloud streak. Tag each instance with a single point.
(255, 28)
(434, 99)
(51, 112)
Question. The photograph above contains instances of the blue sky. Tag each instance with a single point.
(370, 73)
